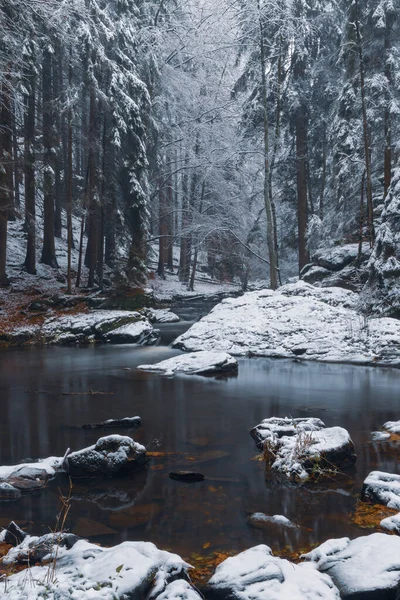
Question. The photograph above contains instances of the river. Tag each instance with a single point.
(195, 423)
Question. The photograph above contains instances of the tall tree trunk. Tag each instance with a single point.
(48, 251)
(57, 152)
(387, 113)
(186, 245)
(170, 226)
(273, 263)
(69, 190)
(92, 245)
(29, 168)
(162, 229)
(17, 177)
(196, 252)
(367, 142)
(301, 170)
(5, 165)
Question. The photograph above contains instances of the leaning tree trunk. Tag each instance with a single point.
(48, 251)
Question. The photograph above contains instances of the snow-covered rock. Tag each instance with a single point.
(257, 575)
(260, 519)
(380, 436)
(366, 568)
(179, 590)
(111, 455)
(297, 320)
(392, 426)
(338, 257)
(134, 570)
(382, 488)
(9, 492)
(160, 315)
(29, 477)
(391, 523)
(276, 427)
(301, 448)
(196, 363)
(115, 326)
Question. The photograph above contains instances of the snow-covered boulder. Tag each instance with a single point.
(196, 363)
(29, 477)
(367, 568)
(257, 575)
(276, 427)
(115, 326)
(392, 427)
(179, 590)
(296, 320)
(298, 449)
(141, 332)
(391, 523)
(111, 455)
(133, 570)
(382, 488)
(337, 257)
(161, 315)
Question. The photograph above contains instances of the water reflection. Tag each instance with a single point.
(193, 421)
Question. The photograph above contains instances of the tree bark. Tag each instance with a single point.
(302, 205)
(5, 165)
(48, 251)
(29, 168)
(367, 142)
(273, 268)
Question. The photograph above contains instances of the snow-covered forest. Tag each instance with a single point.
(199, 299)
(256, 132)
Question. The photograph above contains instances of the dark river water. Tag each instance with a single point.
(198, 424)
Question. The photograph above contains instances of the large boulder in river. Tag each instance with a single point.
(111, 455)
(367, 568)
(134, 570)
(298, 320)
(195, 363)
(258, 575)
(382, 488)
(300, 449)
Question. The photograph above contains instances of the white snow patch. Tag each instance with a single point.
(380, 436)
(392, 426)
(391, 523)
(275, 519)
(297, 320)
(196, 363)
(88, 572)
(255, 575)
(383, 488)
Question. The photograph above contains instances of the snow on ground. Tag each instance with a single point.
(297, 320)
(257, 575)
(367, 567)
(170, 287)
(88, 572)
(196, 363)
(382, 488)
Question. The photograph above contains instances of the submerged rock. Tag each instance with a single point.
(111, 455)
(9, 492)
(367, 568)
(382, 488)
(259, 520)
(257, 575)
(188, 476)
(196, 363)
(299, 449)
(126, 422)
(134, 570)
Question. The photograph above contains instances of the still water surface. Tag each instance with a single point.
(201, 424)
